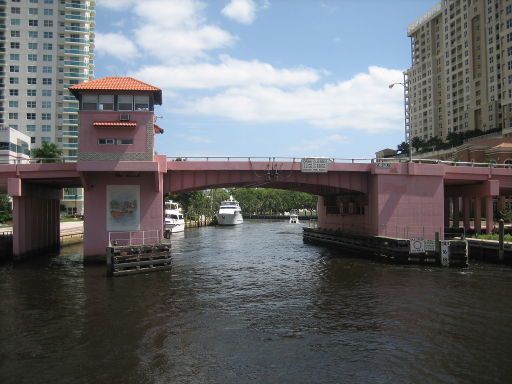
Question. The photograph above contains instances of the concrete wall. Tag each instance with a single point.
(95, 225)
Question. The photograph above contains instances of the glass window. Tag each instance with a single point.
(106, 103)
(125, 103)
(142, 103)
(89, 102)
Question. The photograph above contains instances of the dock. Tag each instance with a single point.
(131, 259)
(452, 253)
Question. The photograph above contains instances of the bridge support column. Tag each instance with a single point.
(36, 225)
(478, 214)
(447, 210)
(456, 212)
(489, 214)
(466, 212)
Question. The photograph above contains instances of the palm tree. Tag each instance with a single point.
(48, 153)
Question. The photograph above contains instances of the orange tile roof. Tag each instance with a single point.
(115, 84)
(122, 124)
(112, 83)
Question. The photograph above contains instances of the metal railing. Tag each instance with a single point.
(150, 237)
(338, 160)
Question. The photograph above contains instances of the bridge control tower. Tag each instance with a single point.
(121, 175)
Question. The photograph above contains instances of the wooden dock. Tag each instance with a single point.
(131, 259)
(453, 254)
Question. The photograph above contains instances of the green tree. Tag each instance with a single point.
(47, 153)
(403, 148)
(417, 143)
(5, 209)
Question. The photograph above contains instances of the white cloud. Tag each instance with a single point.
(116, 45)
(364, 102)
(116, 4)
(321, 142)
(228, 73)
(242, 11)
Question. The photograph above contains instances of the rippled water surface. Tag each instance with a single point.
(252, 303)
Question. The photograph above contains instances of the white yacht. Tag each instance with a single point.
(294, 218)
(230, 213)
(173, 218)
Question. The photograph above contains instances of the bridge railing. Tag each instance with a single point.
(150, 237)
(36, 161)
(273, 159)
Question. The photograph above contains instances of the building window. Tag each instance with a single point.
(46, 140)
(14, 80)
(47, 92)
(32, 45)
(15, 45)
(47, 57)
(33, 23)
(48, 35)
(106, 141)
(47, 46)
(31, 128)
(15, 33)
(46, 116)
(48, 23)
(32, 69)
(13, 92)
(46, 104)
(31, 104)
(31, 80)
(33, 11)
(15, 22)
(14, 56)
(32, 57)
(13, 115)
(48, 12)
(106, 103)
(46, 128)
(13, 104)
(89, 102)
(47, 70)
(31, 116)
(47, 81)
(125, 103)
(15, 10)
(31, 92)
(14, 68)
(142, 103)
(32, 34)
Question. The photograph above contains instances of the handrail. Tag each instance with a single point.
(337, 160)
(120, 238)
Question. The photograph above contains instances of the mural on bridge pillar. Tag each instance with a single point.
(121, 175)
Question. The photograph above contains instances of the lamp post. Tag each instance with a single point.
(406, 112)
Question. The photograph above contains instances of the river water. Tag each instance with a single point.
(252, 303)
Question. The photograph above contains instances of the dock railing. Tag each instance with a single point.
(125, 238)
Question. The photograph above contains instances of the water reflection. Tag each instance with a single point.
(253, 303)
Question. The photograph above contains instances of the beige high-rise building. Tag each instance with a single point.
(461, 74)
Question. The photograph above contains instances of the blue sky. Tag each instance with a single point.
(290, 78)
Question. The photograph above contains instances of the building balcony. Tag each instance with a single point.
(79, 18)
(71, 29)
(77, 52)
(74, 40)
(74, 63)
(78, 6)
(73, 134)
(76, 75)
(70, 145)
(70, 122)
(70, 109)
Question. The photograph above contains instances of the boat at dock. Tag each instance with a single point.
(230, 213)
(173, 218)
(294, 219)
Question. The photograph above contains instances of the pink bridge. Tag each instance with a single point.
(124, 182)
(402, 200)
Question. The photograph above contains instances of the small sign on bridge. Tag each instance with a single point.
(314, 164)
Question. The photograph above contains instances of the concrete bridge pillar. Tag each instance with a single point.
(447, 210)
(36, 224)
(478, 214)
(489, 214)
(466, 212)
(456, 212)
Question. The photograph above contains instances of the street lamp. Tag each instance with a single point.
(406, 112)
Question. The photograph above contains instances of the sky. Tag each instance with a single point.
(284, 78)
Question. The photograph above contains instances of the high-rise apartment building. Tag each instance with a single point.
(45, 47)
(461, 73)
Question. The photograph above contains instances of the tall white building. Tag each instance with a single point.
(45, 47)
